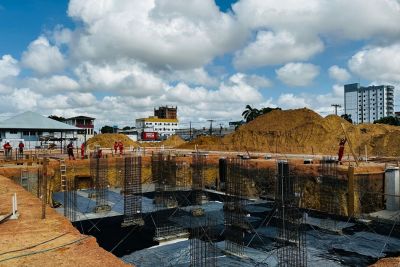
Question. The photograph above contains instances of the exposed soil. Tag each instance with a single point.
(19, 237)
(107, 140)
(302, 131)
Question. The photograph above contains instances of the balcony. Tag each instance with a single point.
(85, 126)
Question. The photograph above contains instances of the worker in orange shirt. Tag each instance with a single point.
(121, 147)
(115, 147)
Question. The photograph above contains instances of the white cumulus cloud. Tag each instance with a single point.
(178, 34)
(297, 74)
(43, 57)
(339, 74)
(380, 63)
(272, 49)
(8, 67)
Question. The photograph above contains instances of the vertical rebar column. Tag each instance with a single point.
(158, 173)
(234, 206)
(44, 187)
(70, 199)
(329, 196)
(291, 234)
(198, 164)
(98, 170)
(202, 247)
(132, 191)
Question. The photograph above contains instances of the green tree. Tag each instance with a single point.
(250, 113)
(347, 117)
(126, 128)
(57, 118)
(107, 129)
(268, 109)
(389, 120)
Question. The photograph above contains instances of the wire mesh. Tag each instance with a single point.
(234, 212)
(132, 191)
(291, 232)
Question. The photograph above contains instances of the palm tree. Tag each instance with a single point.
(250, 113)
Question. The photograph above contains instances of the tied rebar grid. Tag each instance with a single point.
(198, 165)
(329, 186)
(291, 232)
(234, 213)
(182, 175)
(370, 191)
(202, 247)
(132, 191)
(70, 199)
(98, 172)
(164, 170)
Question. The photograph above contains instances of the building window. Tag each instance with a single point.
(13, 132)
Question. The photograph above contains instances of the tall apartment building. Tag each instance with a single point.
(367, 104)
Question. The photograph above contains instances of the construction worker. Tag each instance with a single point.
(99, 153)
(83, 150)
(115, 147)
(121, 147)
(21, 149)
(70, 150)
(7, 150)
(341, 149)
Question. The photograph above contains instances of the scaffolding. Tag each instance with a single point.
(291, 232)
(98, 172)
(234, 212)
(132, 191)
(202, 247)
(198, 165)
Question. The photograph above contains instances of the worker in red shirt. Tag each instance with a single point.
(99, 153)
(83, 150)
(121, 147)
(7, 150)
(341, 149)
(21, 148)
(115, 147)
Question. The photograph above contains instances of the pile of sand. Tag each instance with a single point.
(108, 139)
(302, 131)
(173, 141)
(205, 142)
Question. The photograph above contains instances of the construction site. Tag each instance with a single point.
(273, 193)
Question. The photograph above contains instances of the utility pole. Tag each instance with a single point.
(190, 130)
(211, 121)
(336, 107)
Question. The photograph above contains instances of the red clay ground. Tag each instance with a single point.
(19, 237)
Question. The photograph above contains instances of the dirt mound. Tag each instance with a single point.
(108, 139)
(302, 131)
(205, 142)
(173, 141)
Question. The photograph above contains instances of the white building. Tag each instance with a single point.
(36, 130)
(164, 127)
(367, 104)
(86, 124)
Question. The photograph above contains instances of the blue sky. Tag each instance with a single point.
(116, 60)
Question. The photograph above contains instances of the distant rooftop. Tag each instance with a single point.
(81, 117)
(32, 120)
